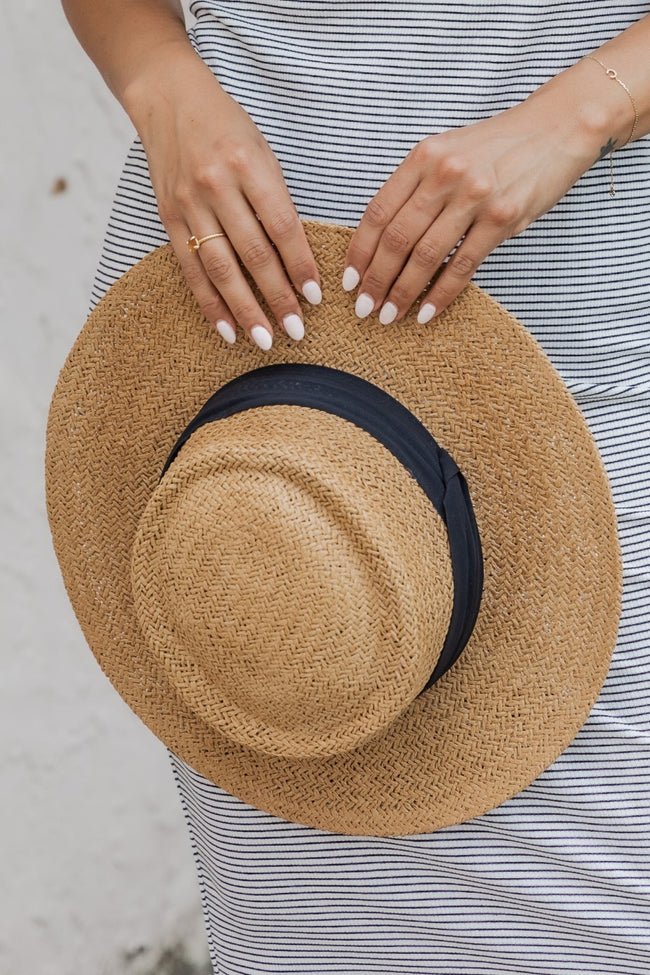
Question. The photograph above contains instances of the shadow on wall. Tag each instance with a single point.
(173, 961)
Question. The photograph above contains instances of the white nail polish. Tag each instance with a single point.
(312, 292)
(364, 305)
(294, 326)
(387, 313)
(426, 313)
(226, 331)
(262, 337)
(350, 278)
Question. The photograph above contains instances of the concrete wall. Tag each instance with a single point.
(97, 875)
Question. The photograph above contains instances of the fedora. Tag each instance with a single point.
(369, 582)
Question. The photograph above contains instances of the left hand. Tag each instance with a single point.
(479, 184)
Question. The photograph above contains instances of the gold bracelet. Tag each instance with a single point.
(611, 73)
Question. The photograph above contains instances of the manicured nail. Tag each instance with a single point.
(294, 326)
(262, 337)
(364, 305)
(312, 292)
(350, 278)
(226, 331)
(387, 313)
(426, 313)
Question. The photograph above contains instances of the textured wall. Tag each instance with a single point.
(97, 875)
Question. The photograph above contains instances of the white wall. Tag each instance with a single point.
(96, 866)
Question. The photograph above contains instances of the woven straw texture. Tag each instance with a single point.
(271, 609)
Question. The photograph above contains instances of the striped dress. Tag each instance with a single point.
(556, 880)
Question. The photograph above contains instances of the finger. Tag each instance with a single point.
(207, 297)
(394, 267)
(381, 209)
(278, 214)
(257, 253)
(220, 261)
(426, 257)
(480, 240)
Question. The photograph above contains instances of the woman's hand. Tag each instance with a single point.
(479, 185)
(212, 170)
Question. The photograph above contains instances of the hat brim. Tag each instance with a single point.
(142, 365)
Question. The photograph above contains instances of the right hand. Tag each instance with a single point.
(212, 170)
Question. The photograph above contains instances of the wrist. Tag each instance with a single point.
(164, 66)
(594, 109)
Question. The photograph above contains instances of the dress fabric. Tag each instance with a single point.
(557, 878)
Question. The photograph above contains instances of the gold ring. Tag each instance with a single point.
(194, 243)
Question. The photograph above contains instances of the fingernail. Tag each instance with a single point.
(312, 292)
(262, 337)
(426, 313)
(226, 331)
(364, 305)
(350, 278)
(387, 313)
(294, 326)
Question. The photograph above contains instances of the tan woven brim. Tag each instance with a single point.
(143, 364)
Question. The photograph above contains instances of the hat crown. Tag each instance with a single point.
(281, 574)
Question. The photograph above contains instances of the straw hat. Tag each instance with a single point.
(369, 582)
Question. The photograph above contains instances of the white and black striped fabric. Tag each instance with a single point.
(556, 880)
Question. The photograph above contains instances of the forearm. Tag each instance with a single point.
(125, 38)
(600, 103)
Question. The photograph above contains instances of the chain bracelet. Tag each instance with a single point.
(612, 73)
